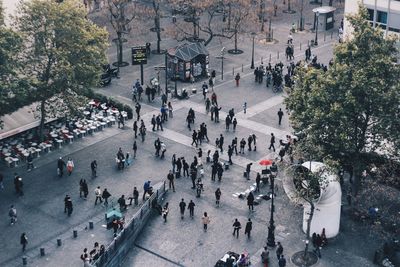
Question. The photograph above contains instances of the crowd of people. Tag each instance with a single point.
(274, 76)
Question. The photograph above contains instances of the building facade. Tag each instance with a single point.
(382, 13)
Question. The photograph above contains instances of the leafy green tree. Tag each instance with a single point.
(62, 51)
(12, 85)
(351, 110)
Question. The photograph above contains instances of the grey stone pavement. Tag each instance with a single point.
(177, 242)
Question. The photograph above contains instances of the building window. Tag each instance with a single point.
(370, 14)
(382, 17)
(394, 29)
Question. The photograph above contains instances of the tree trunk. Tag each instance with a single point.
(120, 53)
(312, 207)
(158, 30)
(42, 119)
(301, 16)
(236, 41)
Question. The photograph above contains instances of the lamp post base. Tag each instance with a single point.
(271, 236)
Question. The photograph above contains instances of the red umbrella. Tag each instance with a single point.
(265, 162)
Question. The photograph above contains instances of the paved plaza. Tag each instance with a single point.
(176, 242)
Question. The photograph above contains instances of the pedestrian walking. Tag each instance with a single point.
(230, 153)
(97, 193)
(234, 123)
(165, 211)
(12, 213)
(272, 142)
(122, 203)
(60, 167)
(237, 79)
(142, 131)
(191, 206)
(227, 122)
(105, 195)
(250, 201)
(244, 107)
(93, 167)
(265, 257)
(248, 168)
(70, 166)
(194, 138)
(23, 241)
(135, 196)
(282, 261)
(236, 227)
(248, 228)
(254, 137)
(205, 89)
(217, 196)
(170, 110)
(163, 149)
(135, 128)
(171, 178)
(29, 161)
(146, 189)
(66, 198)
(308, 54)
(242, 144)
(280, 115)
(206, 221)
(134, 148)
(249, 141)
(258, 181)
(80, 188)
(221, 143)
(18, 184)
(85, 189)
(279, 250)
(137, 110)
(182, 206)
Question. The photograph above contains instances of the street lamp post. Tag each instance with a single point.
(253, 34)
(175, 64)
(271, 227)
(316, 28)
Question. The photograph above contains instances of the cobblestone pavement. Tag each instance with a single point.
(177, 242)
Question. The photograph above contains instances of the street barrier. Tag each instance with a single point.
(117, 250)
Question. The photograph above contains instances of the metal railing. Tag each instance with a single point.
(117, 250)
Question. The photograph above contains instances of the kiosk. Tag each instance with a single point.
(186, 60)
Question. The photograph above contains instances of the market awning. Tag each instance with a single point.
(19, 121)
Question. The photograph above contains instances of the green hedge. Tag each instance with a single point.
(104, 99)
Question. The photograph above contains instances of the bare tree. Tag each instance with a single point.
(120, 23)
(203, 17)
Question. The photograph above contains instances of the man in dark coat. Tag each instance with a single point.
(250, 201)
(182, 206)
(60, 165)
(248, 228)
